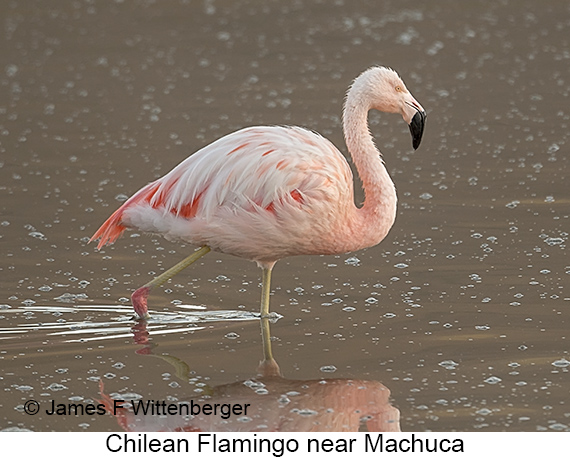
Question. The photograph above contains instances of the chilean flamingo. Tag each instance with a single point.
(264, 193)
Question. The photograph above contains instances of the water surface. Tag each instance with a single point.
(461, 312)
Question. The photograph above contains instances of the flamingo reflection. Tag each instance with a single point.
(275, 403)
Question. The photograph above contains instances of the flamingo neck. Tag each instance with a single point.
(378, 212)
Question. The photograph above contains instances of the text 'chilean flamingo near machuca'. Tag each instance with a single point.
(264, 193)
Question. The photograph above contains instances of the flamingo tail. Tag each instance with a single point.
(113, 227)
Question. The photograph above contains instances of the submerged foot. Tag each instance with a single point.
(139, 301)
(271, 317)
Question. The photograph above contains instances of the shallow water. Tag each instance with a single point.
(461, 312)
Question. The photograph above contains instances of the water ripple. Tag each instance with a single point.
(99, 322)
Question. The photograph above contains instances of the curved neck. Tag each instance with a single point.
(379, 209)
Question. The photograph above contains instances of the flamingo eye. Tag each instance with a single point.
(399, 89)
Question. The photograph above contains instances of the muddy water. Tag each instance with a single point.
(461, 313)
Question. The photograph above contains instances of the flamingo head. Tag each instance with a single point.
(388, 93)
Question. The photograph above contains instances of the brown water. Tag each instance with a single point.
(462, 312)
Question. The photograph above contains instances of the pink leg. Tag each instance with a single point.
(138, 299)
(139, 296)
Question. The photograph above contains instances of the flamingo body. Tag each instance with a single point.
(264, 193)
(250, 194)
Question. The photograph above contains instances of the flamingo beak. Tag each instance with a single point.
(417, 127)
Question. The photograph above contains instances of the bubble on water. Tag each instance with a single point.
(561, 363)
(426, 196)
(558, 427)
(349, 309)
(482, 327)
(11, 70)
(56, 387)
(231, 336)
(406, 37)
(304, 412)
(448, 364)
(354, 261)
(435, 48)
(513, 204)
(483, 411)
(49, 109)
(401, 265)
(127, 396)
(38, 235)
(553, 148)
(493, 380)
(554, 241)
(70, 298)
(293, 393)
(121, 197)
(328, 369)
(24, 388)
(253, 384)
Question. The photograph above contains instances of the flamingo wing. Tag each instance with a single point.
(255, 177)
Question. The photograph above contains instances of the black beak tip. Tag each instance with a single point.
(417, 128)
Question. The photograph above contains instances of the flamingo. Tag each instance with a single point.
(268, 192)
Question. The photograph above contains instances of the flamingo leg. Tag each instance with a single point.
(139, 296)
(265, 291)
(268, 366)
(266, 340)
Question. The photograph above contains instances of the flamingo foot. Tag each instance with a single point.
(268, 368)
(138, 299)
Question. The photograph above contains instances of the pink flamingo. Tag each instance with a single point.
(264, 193)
